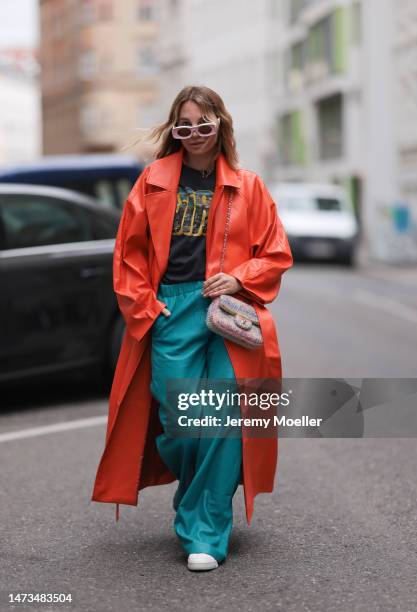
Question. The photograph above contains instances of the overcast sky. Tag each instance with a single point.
(18, 23)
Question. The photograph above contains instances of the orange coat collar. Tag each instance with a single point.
(165, 172)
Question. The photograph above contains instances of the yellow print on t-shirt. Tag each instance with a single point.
(191, 212)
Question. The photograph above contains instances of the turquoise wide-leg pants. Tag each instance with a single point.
(208, 468)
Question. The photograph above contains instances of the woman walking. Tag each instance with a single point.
(171, 260)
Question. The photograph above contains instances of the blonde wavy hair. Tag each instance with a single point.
(208, 101)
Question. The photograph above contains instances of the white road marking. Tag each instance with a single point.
(32, 432)
(386, 304)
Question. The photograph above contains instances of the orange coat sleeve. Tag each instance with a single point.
(131, 278)
(260, 275)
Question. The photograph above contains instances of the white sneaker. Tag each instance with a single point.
(201, 561)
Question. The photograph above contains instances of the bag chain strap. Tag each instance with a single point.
(226, 231)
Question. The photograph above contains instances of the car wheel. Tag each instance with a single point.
(348, 258)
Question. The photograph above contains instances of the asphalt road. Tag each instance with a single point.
(338, 533)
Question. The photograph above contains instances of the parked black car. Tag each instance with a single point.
(58, 310)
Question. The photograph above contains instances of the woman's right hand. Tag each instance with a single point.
(166, 312)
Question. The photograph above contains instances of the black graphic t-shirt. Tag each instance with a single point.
(187, 253)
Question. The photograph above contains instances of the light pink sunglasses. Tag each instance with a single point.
(203, 129)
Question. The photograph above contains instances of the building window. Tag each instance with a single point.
(297, 57)
(146, 61)
(88, 64)
(292, 150)
(330, 119)
(294, 66)
(295, 8)
(320, 49)
(88, 119)
(327, 45)
(105, 10)
(146, 10)
(87, 11)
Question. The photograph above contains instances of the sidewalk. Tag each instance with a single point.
(405, 273)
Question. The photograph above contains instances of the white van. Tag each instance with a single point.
(319, 220)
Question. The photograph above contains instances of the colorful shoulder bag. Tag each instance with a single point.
(230, 317)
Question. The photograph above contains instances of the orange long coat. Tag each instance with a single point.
(257, 254)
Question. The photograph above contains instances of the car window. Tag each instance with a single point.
(113, 192)
(304, 203)
(102, 228)
(328, 204)
(30, 220)
(123, 188)
(296, 203)
(103, 190)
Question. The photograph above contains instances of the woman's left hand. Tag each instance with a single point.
(221, 283)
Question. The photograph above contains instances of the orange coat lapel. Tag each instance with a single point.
(161, 204)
